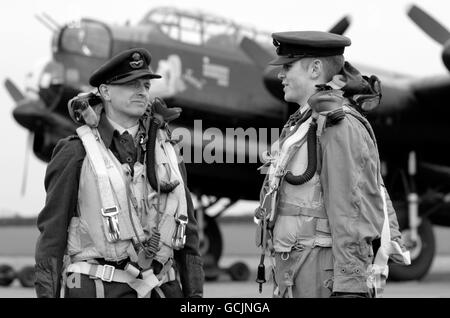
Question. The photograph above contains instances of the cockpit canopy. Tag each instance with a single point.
(199, 28)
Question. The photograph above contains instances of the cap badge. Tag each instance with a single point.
(137, 62)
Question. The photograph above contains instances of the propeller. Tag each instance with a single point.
(15, 92)
(28, 146)
(341, 26)
(20, 98)
(433, 29)
(33, 114)
(261, 57)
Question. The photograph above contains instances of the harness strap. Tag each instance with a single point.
(107, 273)
(288, 209)
(379, 270)
(110, 209)
(99, 288)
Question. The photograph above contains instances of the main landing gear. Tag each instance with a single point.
(211, 243)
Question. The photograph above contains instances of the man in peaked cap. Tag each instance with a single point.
(323, 189)
(118, 219)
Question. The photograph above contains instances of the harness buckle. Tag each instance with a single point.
(179, 239)
(110, 212)
(107, 273)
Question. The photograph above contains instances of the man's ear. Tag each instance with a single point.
(316, 68)
(103, 89)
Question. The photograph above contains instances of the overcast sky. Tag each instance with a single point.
(382, 36)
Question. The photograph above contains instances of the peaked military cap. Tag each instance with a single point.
(294, 45)
(124, 67)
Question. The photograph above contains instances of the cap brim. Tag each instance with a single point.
(136, 75)
(282, 59)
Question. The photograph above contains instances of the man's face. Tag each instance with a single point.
(130, 99)
(297, 81)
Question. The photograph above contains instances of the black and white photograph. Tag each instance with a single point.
(242, 151)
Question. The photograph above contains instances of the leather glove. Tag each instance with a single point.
(162, 112)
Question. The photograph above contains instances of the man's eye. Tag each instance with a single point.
(287, 67)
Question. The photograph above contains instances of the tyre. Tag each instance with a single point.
(422, 253)
(27, 276)
(239, 271)
(211, 248)
(7, 275)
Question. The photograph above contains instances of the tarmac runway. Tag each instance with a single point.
(239, 246)
(435, 285)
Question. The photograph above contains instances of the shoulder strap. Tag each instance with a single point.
(110, 209)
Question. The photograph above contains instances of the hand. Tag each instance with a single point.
(161, 110)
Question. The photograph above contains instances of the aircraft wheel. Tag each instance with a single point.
(422, 253)
(211, 248)
(7, 275)
(239, 271)
(27, 276)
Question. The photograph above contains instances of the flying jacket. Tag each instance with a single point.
(61, 206)
(350, 178)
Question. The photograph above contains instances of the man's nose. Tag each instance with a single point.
(281, 74)
(140, 89)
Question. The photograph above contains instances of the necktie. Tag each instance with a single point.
(126, 149)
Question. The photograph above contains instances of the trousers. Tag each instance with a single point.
(306, 273)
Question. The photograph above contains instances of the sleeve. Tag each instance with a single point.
(352, 200)
(188, 259)
(61, 184)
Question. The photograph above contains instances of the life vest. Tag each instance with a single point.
(300, 215)
(103, 188)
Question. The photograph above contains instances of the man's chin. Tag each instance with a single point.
(288, 99)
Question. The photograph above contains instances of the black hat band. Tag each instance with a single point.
(299, 50)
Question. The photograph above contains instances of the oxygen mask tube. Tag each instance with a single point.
(312, 158)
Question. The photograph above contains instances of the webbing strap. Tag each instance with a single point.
(96, 159)
(108, 273)
(99, 288)
(379, 269)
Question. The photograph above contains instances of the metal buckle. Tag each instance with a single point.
(109, 270)
(179, 239)
(111, 211)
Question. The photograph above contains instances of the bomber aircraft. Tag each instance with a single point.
(216, 70)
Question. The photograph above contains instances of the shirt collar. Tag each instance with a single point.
(132, 130)
(106, 129)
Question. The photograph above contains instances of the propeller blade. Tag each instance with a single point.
(26, 163)
(259, 55)
(341, 26)
(429, 25)
(14, 91)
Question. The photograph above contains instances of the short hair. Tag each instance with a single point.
(332, 65)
